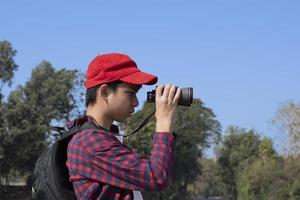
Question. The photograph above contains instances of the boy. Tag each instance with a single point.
(100, 166)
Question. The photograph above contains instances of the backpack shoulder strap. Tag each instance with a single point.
(74, 130)
(79, 125)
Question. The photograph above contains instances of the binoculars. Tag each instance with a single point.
(186, 96)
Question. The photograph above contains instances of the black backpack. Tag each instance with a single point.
(51, 175)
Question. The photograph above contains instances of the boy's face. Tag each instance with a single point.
(123, 101)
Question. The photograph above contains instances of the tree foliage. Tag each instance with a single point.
(239, 148)
(251, 169)
(269, 178)
(46, 98)
(209, 183)
(7, 69)
(196, 129)
(7, 63)
(255, 180)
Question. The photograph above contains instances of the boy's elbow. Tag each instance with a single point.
(160, 184)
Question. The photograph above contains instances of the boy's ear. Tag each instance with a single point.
(103, 91)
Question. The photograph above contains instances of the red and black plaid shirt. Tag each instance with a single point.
(101, 167)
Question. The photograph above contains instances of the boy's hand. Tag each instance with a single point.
(166, 99)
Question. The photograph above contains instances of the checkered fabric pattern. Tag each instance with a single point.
(101, 167)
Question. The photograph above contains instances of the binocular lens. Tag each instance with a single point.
(185, 99)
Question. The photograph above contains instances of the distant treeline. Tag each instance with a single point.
(246, 165)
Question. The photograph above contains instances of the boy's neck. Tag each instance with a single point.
(100, 117)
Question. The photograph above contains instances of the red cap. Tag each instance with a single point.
(111, 67)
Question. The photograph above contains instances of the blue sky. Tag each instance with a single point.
(241, 57)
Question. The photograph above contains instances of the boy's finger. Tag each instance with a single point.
(166, 91)
(159, 91)
(177, 96)
(172, 93)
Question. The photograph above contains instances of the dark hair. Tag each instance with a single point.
(91, 93)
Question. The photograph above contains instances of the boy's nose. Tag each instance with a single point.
(136, 102)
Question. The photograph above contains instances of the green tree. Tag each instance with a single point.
(209, 183)
(291, 177)
(196, 129)
(255, 180)
(239, 149)
(7, 63)
(266, 149)
(48, 97)
(295, 190)
(270, 178)
(7, 69)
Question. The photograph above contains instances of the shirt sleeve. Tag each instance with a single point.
(114, 164)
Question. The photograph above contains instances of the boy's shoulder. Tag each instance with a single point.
(94, 138)
(90, 135)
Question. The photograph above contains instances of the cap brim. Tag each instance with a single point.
(140, 78)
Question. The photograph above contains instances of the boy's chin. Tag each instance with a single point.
(122, 119)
